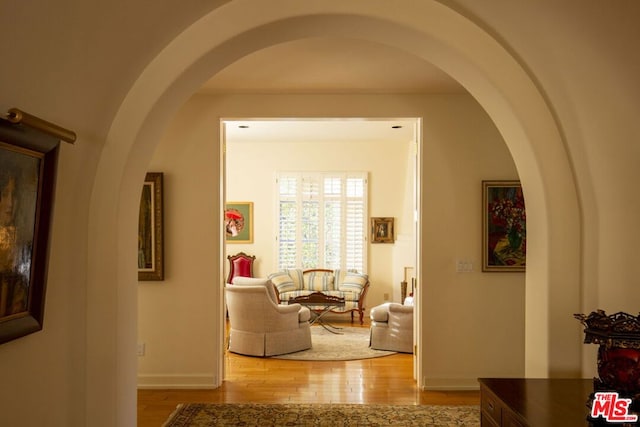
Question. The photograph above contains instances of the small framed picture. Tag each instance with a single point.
(238, 222)
(382, 230)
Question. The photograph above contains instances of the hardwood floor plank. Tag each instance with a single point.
(386, 380)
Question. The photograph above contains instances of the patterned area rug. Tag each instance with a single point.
(352, 344)
(334, 415)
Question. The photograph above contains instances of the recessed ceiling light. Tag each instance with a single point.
(396, 127)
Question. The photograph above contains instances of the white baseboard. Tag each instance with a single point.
(194, 381)
(451, 384)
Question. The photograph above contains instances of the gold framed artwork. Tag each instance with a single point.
(151, 229)
(28, 167)
(504, 228)
(382, 230)
(238, 222)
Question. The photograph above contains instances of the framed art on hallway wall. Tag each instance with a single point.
(28, 164)
(151, 229)
(238, 222)
(504, 228)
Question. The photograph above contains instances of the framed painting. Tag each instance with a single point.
(382, 230)
(504, 228)
(238, 222)
(28, 163)
(151, 229)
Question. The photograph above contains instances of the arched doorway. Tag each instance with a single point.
(431, 31)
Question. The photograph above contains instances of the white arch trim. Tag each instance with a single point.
(426, 29)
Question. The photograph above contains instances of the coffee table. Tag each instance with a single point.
(324, 304)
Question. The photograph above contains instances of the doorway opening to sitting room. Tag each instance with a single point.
(313, 193)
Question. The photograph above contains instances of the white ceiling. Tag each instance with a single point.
(318, 130)
(328, 65)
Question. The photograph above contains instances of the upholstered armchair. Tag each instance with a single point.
(392, 327)
(261, 327)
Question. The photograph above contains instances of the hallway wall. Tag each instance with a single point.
(456, 159)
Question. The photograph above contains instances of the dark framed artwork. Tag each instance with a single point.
(382, 230)
(28, 163)
(504, 226)
(238, 222)
(151, 229)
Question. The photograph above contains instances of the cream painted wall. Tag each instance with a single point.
(177, 313)
(461, 147)
(464, 311)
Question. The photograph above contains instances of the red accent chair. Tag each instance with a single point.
(240, 265)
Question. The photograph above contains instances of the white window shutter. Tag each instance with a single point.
(322, 220)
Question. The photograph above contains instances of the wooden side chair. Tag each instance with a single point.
(240, 265)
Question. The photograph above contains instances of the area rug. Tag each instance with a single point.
(325, 415)
(351, 344)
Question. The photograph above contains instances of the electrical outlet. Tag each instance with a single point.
(141, 349)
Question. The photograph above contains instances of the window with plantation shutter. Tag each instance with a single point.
(287, 220)
(322, 220)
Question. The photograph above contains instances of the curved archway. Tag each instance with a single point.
(431, 31)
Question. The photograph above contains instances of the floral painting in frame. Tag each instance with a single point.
(504, 230)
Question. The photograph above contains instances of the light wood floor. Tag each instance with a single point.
(387, 380)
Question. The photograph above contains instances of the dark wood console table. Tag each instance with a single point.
(517, 402)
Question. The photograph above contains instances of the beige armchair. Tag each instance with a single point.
(261, 327)
(392, 327)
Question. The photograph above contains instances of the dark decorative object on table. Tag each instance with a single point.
(618, 336)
